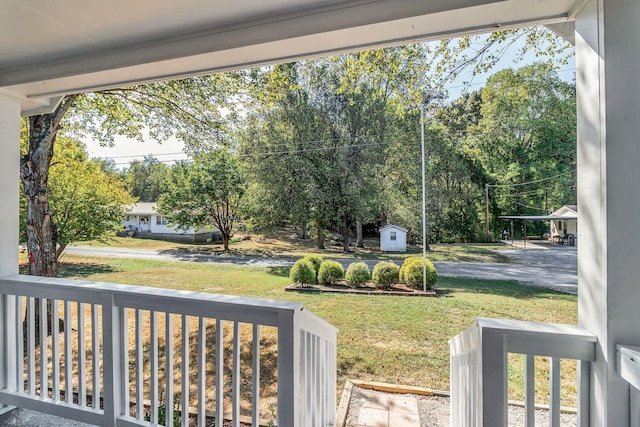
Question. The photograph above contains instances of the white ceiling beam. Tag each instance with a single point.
(298, 23)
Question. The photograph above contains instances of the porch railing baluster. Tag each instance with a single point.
(131, 364)
(55, 348)
(479, 368)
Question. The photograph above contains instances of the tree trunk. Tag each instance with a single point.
(42, 232)
(320, 235)
(303, 231)
(359, 239)
(225, 241)
(345, 236)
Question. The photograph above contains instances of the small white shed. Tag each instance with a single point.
(393, 238)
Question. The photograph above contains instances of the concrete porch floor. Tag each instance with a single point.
(27, 418)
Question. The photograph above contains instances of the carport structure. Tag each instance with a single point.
(525, 218)
(52, 48)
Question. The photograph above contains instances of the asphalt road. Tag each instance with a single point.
(553, 267)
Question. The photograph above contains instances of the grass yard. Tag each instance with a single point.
(285, 243)
(381, 338)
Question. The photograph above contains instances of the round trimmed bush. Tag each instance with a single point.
(357, 274)
(330, 272)
(385, 274)
(412, 270)
(316, 260)
(303, 272)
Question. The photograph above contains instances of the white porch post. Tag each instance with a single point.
(9, 184)
(608, 84)
(9, 226)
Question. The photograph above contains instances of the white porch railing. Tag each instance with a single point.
(134, 356)
(479, 362)
(628, 366)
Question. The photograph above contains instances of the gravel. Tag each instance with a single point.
(434, 412)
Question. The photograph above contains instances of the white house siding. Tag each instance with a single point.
(389, 245)
(558, 228)
(144, 221)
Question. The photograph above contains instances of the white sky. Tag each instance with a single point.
(126, 150)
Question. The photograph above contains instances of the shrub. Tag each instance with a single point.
(385, 274)
(357, 274)
(316, 260)
(330, 272)
(303, 272)
(411, 273)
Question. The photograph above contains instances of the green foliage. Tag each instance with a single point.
(358, 274)
(412, 270)
(303, 272)
(526, 135)
(187, 109)
(88, 204)
(316, 260)
(330, 272)
(385, 274)
(204, 193)
(146, 179)
(162, 411)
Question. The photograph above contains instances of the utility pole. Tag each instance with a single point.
(426, 98)
(486, 211)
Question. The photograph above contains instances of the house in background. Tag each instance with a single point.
(143, 219)
(393, 238)
(566, 225)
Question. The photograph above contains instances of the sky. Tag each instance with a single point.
(126, 150)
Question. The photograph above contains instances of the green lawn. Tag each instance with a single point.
(285, 244)
(390, 339)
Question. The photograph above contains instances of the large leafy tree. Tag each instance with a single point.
(526, 140)
(328, 123)
(146, 178)
(87, 203)
(204, 193)
(189, 109)
(279, 152)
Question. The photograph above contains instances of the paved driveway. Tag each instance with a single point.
(553, 267)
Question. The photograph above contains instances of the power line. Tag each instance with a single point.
(530, 207)
(531, 182)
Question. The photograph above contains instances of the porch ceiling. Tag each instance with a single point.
(49, 48)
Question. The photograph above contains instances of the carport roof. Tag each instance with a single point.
(540, 217)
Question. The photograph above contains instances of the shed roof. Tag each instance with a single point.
(397, 227)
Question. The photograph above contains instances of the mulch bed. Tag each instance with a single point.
(399, 289)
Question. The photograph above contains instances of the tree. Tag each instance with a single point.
(183, 108)
(526, 140)
(327, 122)
(283, 142)
(207, 192)
(146, 179)
(87, 203)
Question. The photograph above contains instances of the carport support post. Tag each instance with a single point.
(9, 228)
(511, 232)
(608, 98)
